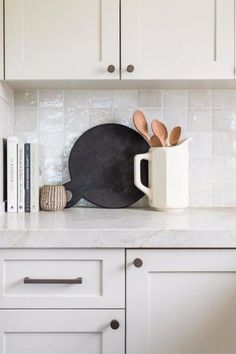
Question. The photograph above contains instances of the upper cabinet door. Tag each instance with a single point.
(61, 39)
(181, 39)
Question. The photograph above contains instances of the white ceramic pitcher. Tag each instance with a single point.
(168, 171)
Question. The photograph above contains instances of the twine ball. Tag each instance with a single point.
(52, 197)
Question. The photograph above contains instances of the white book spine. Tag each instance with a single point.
(34, 178)
(21, 178)
(12, 146)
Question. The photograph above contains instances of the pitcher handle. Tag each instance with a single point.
(137, 173)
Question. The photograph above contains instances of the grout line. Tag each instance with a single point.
(162, 117)
(211, 152)
(187, 111)
(38, 119)
(62, 157)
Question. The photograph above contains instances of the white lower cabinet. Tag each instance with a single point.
(62, 301)
(62, 332)
(62, 278)
(73, 301)
(181, 301)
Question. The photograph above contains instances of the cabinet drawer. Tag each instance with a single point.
(61, 331)
(62, 278)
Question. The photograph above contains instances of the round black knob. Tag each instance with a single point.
(114, 324)
(111, 68)
(130, 68)
(138, 262)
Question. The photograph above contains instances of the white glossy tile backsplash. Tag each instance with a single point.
(56, 118)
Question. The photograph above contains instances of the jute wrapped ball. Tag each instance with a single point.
(52, 197)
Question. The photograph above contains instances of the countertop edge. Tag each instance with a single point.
(118, 239)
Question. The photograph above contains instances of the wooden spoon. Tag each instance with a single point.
(160, 130)
(155, 141)
(175, 135)
(140, 123)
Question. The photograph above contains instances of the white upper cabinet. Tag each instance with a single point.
(78, 39)
(181, 39)
(61, 39)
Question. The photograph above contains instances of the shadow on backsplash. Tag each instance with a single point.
(56, 118)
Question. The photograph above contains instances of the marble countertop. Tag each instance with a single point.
(120, 228)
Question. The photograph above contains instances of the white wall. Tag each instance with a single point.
(6, 127)
(6, 110)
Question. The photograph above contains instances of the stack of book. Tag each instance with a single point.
(22, 176)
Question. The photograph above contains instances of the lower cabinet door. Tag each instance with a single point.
(62, 332)
(181, 301)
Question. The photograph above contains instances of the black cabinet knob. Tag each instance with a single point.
(130, 68)
(111, 68)
(114, 324)
(138, 263)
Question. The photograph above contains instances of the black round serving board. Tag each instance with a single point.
(101, 165)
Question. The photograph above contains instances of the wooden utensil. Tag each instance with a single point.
(160, 130)
(155, 141)
(175, 135)
(141, 125)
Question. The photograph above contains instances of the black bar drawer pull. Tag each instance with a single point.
(28, 280)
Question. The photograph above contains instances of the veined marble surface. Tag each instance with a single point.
(120, 228)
